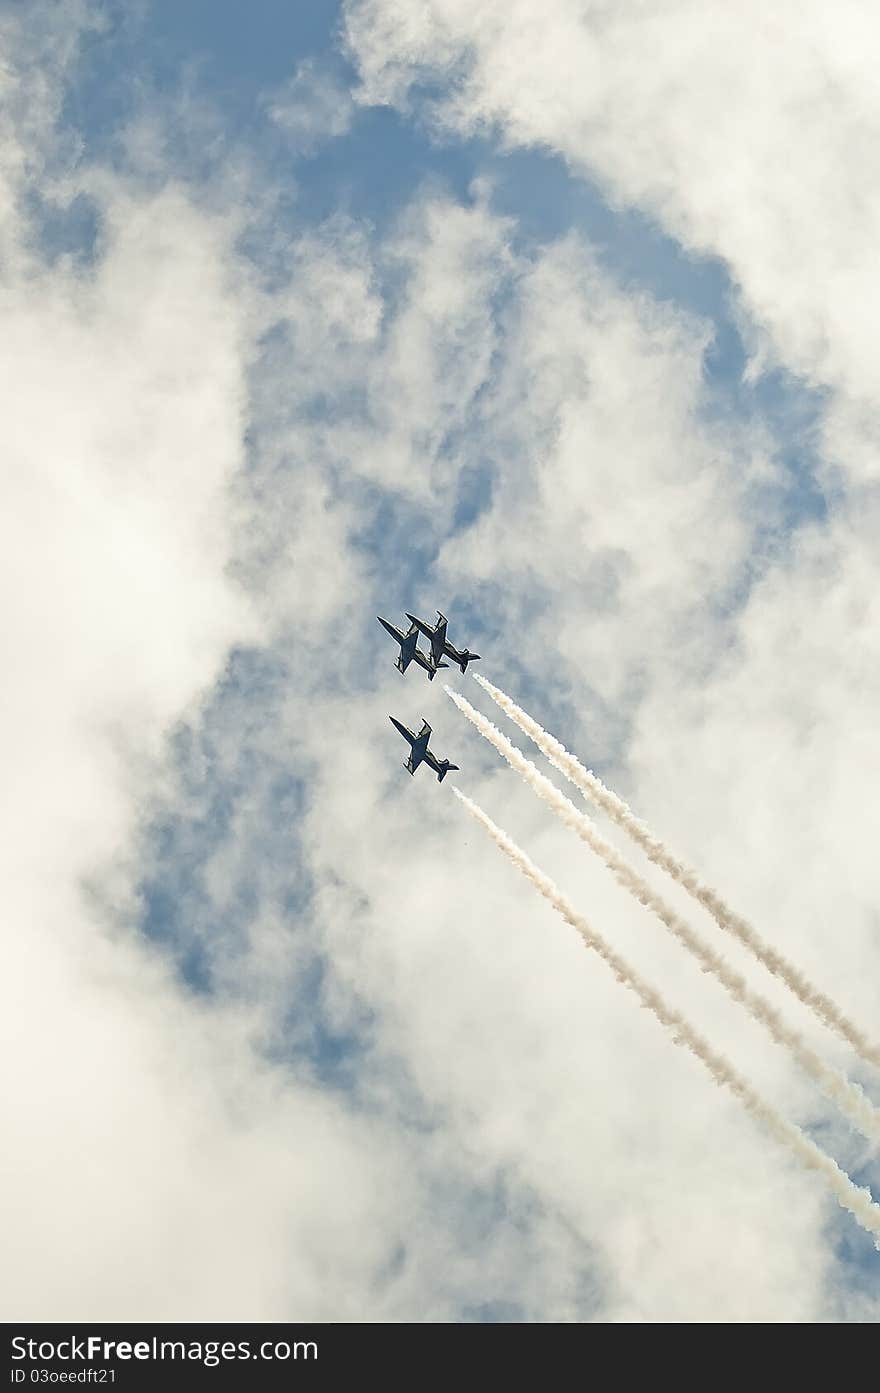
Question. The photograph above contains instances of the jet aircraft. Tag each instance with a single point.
(419, 750)
(440, 645)
(409, 651)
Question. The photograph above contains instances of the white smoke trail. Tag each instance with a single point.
(848, 1096)
(855, 1198)
(569, 765)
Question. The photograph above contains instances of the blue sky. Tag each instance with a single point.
(234, 61)
(350, 321)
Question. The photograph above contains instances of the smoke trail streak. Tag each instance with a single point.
(568, 764)
(855, 1198)
(848, 1096)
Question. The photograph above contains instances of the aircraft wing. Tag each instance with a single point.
(425, 730)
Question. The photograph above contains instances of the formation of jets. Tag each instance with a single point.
(431, 663)
(440, 645)
(409, 650)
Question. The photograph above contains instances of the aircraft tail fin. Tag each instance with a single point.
(466, 658)
(444, 769)
(433, 670)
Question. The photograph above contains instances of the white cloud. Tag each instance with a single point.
(749, 135)
(153, 1166)
(608, 488)
(312, 107)
(438, 348)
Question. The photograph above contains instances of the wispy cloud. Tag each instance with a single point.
(314, 106)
